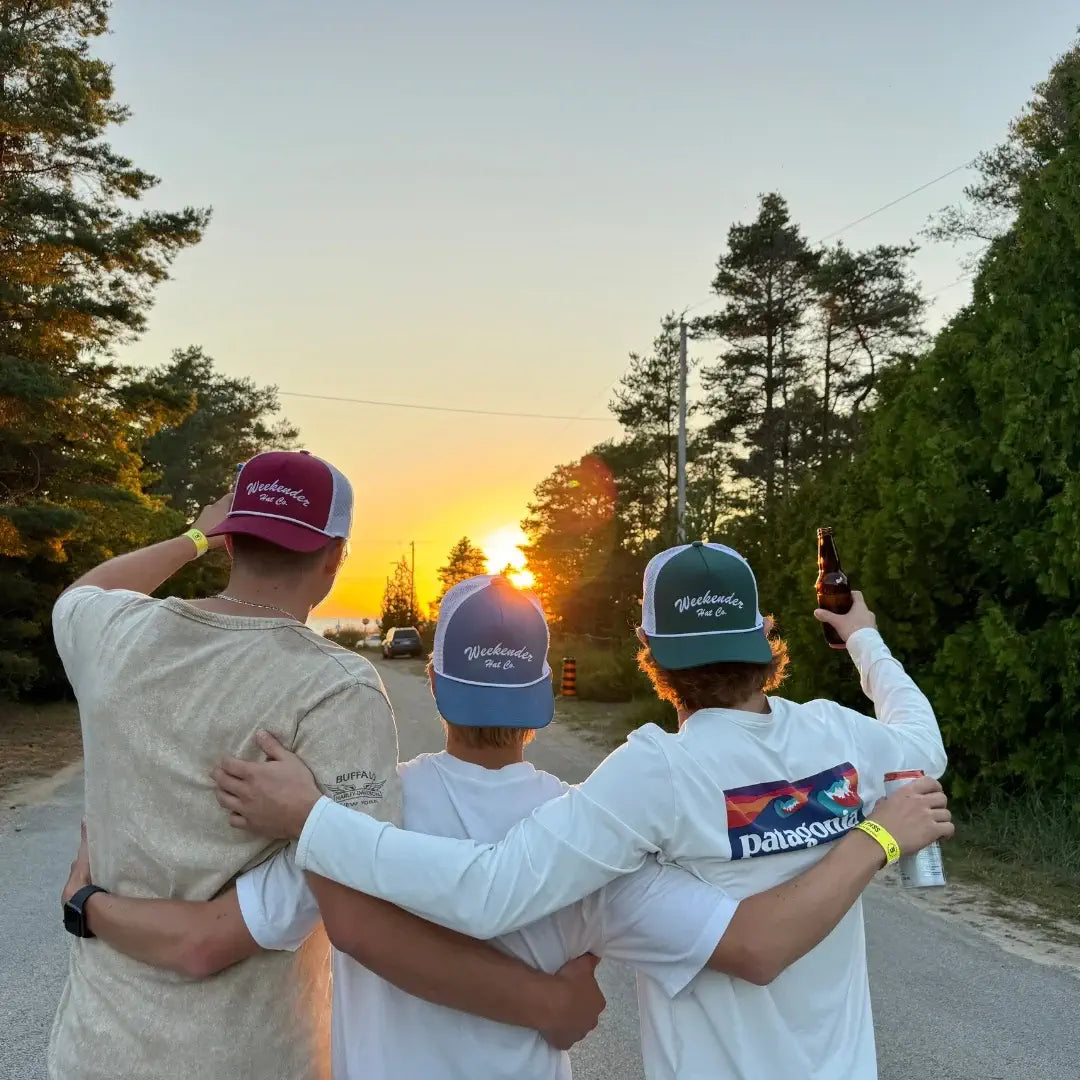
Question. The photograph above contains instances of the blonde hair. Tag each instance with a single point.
(490, 738)
(485, 738)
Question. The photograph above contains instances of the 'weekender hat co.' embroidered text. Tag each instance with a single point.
(291, 499)
(491, 656)
(700, 606)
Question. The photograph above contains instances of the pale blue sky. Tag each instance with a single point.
(489, 205)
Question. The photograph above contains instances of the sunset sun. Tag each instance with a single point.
(503, 549)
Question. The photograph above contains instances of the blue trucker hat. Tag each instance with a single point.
(491, 656)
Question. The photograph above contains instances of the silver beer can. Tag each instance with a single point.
(924, 869)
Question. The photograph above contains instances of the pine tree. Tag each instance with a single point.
(646, 404)
(959, 514)
(77, 272)
(756, 393)
(869, 315)
(398, 602)
(229, 420)
(465, 560)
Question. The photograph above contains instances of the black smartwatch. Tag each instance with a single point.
(75, 911)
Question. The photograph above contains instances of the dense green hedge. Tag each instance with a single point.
(961, 519)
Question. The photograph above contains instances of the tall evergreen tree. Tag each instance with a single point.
(646, 404)
(869, 314)
(77, 271)
(464, 560)
(398, 602)
(228, 421)
(755, 393)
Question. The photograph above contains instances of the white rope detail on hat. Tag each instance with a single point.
(494, 686)
(281, 517)
(707, 633)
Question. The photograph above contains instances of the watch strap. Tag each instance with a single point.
(77, 907)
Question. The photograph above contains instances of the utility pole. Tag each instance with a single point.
(412, 583)
(681, 467)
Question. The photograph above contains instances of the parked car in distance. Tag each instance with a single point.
(372, 641)
(402, 641)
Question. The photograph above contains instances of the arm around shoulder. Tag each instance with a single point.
(568, 848)
(349, 742)
(455, 971)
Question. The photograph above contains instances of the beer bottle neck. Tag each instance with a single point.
(828, 559)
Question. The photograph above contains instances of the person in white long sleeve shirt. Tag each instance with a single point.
(751, 791)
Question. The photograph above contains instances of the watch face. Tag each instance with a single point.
(72, 920)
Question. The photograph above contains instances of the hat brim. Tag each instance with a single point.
(697, 650)
(283, 534)
(468, 705)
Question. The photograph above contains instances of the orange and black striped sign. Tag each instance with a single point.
(569, 677)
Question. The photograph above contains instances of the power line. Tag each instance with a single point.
(951, 285)
(592, 402)
(444, 408)
(693, 307)
(889, 205)
(866, 217)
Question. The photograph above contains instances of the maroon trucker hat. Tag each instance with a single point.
(291, 499)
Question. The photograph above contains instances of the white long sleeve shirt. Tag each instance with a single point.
(743, 800)
(662, 920)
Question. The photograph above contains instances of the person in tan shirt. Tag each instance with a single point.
(166, 688)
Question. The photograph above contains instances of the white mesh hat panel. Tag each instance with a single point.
(339, 523)
(648, 599)
(453, 599)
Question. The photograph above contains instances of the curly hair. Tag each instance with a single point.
(715, 686)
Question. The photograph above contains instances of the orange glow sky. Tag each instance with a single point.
(489, 206)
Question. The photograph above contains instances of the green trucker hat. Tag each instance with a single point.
(700, 606)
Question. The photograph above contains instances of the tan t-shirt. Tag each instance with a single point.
(165, 690)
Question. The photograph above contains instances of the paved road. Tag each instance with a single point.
(950, 1004)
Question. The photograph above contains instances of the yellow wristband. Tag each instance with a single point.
(202, 545)
(884, 838)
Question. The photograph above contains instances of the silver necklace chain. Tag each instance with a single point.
(250, 603)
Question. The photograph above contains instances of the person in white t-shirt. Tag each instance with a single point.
(493, 689)
(751, 790)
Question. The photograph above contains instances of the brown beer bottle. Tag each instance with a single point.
(833, 590)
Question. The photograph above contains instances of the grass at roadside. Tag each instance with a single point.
(607, 723)
(36, 740)
(1025, 850)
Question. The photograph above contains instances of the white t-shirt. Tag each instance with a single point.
(743, 800)
(661, 919)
